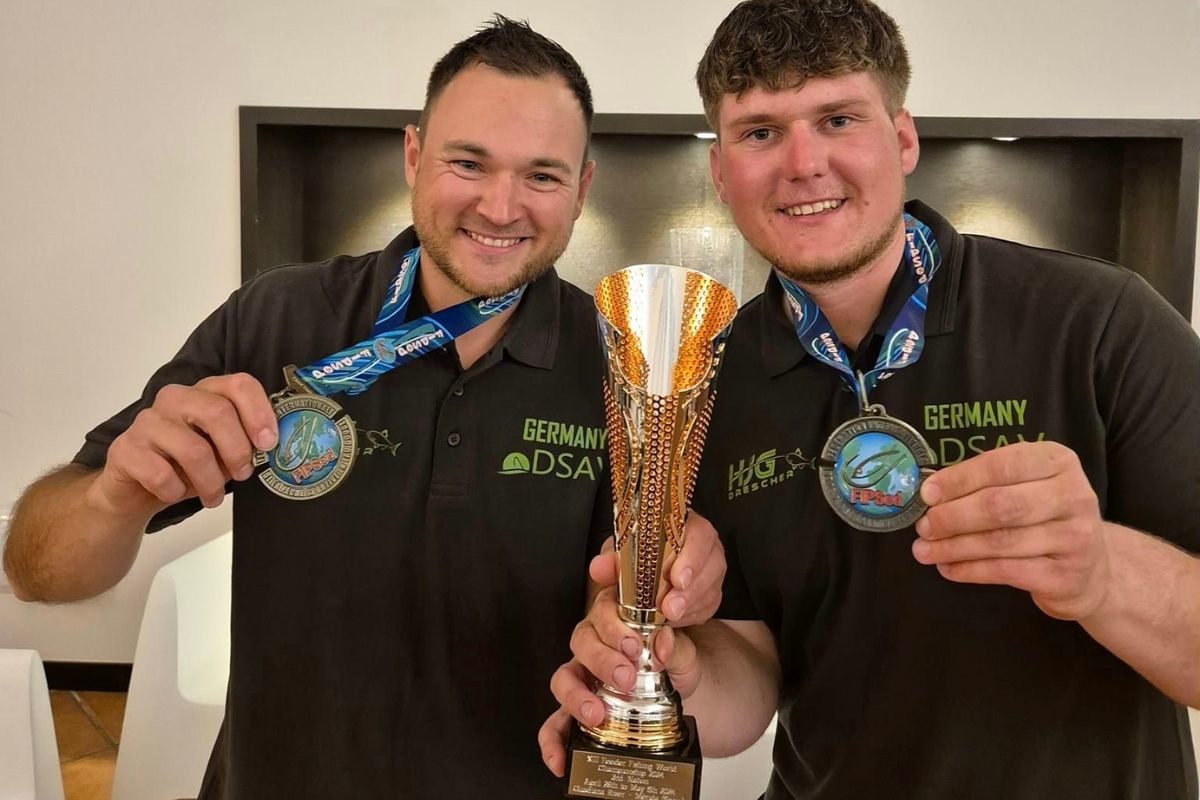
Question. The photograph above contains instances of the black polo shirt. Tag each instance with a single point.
(396, 637)
(898, 683)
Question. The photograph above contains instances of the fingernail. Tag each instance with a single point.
(931, 493)
(630, 647)
(623, 675)
(685, 579)
(244, 472)
(922, 527)
(663, 641)
(920, 549)
(589, 713)
(265, 439)
(676, 607)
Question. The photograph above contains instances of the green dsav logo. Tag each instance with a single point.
(568, 465)
(515, 464)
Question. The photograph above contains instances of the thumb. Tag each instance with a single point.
(676, 651)
(603, 569)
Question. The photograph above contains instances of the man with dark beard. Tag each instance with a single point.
(1019, 625)
(375, 622)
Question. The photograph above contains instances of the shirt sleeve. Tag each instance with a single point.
(206, 352)
(736, 602)
(1148, 390)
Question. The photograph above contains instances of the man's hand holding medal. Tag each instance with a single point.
(190, 443)
(1025, 516)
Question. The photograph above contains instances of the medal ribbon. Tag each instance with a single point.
(905, 339)
(354, 369)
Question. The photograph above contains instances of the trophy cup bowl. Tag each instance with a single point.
(663, 331)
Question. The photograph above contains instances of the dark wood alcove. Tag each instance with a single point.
(317, 182)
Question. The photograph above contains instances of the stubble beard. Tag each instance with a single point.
(828, 272)
(437, 246)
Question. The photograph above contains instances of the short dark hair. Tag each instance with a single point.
(513, 47)
(778, 44)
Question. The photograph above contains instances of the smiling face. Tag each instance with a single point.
(814, 176)
(498, 178)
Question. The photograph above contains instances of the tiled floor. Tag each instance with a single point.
(88, 728)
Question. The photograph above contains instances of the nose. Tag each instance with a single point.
(807, 153)
(499, 204)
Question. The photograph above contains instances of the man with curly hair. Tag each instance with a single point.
(1024, 623)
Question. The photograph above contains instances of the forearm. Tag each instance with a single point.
(1150, 616)
(64, 544)
(738, 689)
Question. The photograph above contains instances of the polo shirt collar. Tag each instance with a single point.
(532, 335)
(781, 350)
(943, 291)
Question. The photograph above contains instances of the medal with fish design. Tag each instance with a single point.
(871, 467)
(871, 470)
(317, 443)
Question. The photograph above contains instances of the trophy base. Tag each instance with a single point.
(594, 770)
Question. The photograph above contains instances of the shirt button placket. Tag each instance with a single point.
(453, 459)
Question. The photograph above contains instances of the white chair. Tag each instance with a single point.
(740, 777)
(180, 672)
(1195, 718)
(28, 752)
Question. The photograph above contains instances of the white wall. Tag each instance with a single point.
(119, 167)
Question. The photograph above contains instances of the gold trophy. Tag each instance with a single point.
(663, 331)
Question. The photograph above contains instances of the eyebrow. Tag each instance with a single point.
(550, 163)
(820, 111)
(750, 119)
(842, 105)
(469, 147)
(482, 152)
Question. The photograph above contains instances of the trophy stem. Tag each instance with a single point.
(649, 717)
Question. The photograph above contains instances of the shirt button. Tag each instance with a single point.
(458, 391)
(453, 439)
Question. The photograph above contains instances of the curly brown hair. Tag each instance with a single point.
(780, 44)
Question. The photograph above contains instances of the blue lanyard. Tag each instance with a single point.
(905, 337)
(354, 369)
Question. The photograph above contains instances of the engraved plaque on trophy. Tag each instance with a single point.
(663, 331)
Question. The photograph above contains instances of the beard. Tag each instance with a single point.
(816, 273)
(436, 242)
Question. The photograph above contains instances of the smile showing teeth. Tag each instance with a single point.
(807, 209)
(490, 242)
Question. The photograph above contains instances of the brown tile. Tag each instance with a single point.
(90, 777)
(76, 734)
(108, 708)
